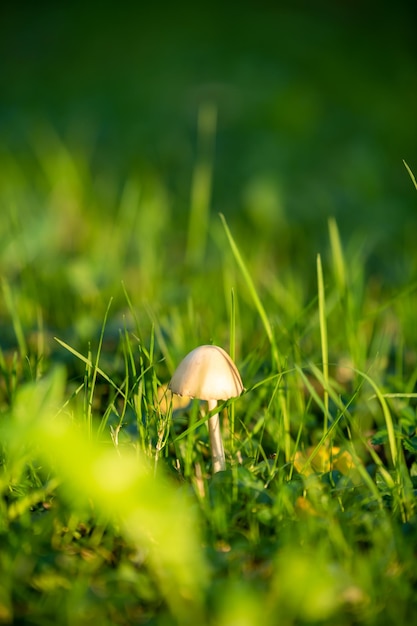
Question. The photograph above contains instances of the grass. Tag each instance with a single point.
(109, 512)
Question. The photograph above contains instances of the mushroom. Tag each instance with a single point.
(208, 373)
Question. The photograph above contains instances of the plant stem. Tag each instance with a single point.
(216, 443)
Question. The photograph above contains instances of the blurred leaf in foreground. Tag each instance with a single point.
(119, 486)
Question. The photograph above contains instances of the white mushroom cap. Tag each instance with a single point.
(207, 373)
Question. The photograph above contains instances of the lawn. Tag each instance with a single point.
(205, 181)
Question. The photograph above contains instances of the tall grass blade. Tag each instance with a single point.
(232, 355)
(392, 441)
(324, 342)
(339, 267)
(411, 174)
(252, 291)
(89, 363)
(16, 321)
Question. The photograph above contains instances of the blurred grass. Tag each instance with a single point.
(315, 107)
(313, 521)
(112, 243)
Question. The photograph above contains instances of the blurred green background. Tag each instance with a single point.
(316, 109)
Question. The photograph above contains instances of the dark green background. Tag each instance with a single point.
(317, 107)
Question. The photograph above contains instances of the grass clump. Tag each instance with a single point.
(109, 511)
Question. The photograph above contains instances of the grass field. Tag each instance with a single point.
(283, 233)
(109, 510)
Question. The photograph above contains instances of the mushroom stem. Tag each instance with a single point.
(216, 443)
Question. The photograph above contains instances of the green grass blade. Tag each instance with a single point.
(339, 267)
(89, 363)
(232, 355)
(16, 321)
(252, 291)
(411, 174)
(324, 342)
(392, 441)
(95, 372)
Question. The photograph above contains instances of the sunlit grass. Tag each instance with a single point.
(109, 512)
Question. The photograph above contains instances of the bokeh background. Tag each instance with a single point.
(313, 109)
